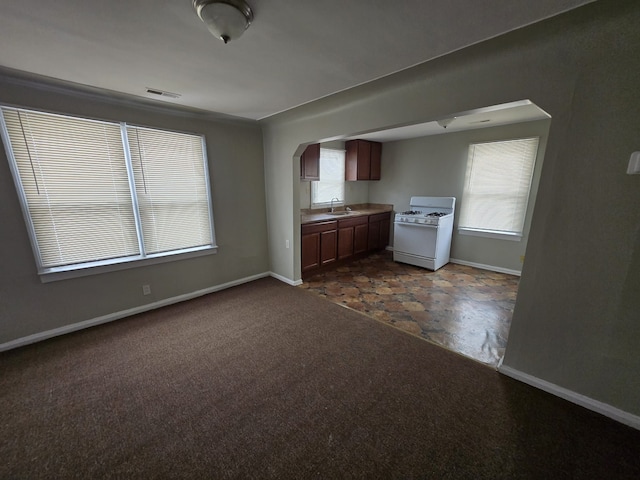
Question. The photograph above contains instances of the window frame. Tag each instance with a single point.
(314, 184)
(501, 234)
(80, 269)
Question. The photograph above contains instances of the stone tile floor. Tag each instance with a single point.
(464, 309)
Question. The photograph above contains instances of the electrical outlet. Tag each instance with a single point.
(286, 243)
(521, 258)
(146, 289)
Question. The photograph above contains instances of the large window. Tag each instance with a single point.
(331, 184)
(497, 186)
(102, 193)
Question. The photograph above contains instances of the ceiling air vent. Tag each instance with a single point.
(162, 93)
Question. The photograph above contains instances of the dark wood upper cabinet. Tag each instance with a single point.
(310, 163)
(376, 155)
(362, 160)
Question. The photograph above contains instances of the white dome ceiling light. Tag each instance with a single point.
(225, 19)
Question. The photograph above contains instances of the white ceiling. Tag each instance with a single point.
(296, 51)
(507, 113)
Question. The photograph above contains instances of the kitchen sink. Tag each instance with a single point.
(344, 212)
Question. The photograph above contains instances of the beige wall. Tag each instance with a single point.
(436, 165)
(576, 322)
(235, 155)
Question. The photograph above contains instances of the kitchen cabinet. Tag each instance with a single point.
(361, 238)
(378, 235)
(310, 163)
(362, 160)
(319, 244)
(352, 236)
(330, 241)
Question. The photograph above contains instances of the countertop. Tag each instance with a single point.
(359, 210)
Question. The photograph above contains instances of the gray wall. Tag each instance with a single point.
(576, 323)
(436, 165)
(235, 155)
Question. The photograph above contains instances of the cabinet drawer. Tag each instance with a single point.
(379, 217)
(319, 227)
(352, 222)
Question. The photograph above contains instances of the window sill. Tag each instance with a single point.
(95, 268)
(514, 237)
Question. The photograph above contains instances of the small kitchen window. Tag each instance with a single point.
(331, 184)
(496, 189)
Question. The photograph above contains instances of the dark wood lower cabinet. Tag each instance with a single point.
(374, 235)
(310, 251)
(345, 242)
(379, 225)
(324, 243)
(328, 247)
(319, 245)
(361, 238)
(350, 242)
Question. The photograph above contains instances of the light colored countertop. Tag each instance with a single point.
(359, 210)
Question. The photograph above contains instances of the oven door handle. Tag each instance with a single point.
(411, 224)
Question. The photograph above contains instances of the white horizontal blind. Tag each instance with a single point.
(331, 184)
(497, 185)
(74, 179)
(171, 187)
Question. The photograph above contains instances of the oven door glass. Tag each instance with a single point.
(415, 239)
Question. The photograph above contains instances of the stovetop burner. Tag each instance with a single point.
(436, 214)
(412, 212)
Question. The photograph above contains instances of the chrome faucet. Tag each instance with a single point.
(332, 207)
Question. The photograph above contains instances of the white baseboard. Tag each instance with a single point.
(486, 267)
(37, 337)
(573, 397)
(293, 283)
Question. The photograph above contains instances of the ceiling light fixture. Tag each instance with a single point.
(226, 19)
(444, 123)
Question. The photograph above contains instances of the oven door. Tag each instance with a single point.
(415, 239)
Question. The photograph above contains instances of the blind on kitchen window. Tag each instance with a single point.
(331, 184)
(74, 179)
(497, 185)
(171, 187)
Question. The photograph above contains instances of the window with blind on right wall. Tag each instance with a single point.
(496, 188)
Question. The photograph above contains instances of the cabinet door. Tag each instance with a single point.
(328, 247)
(375, 165)
(374, 235)
(364, 160)
(385, 226)
(361, 238)
(345, 242)
(310, 244)
(357, 160)
(351, 161)
(310, 163)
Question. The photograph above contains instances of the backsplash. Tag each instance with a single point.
(354, 206)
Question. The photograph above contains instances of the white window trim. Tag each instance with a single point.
(476, 232)
(123, 263)
(51, 274)
(505, 235)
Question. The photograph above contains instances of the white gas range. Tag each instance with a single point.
(422, 235)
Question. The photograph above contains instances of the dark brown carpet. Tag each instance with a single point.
(268, 381)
